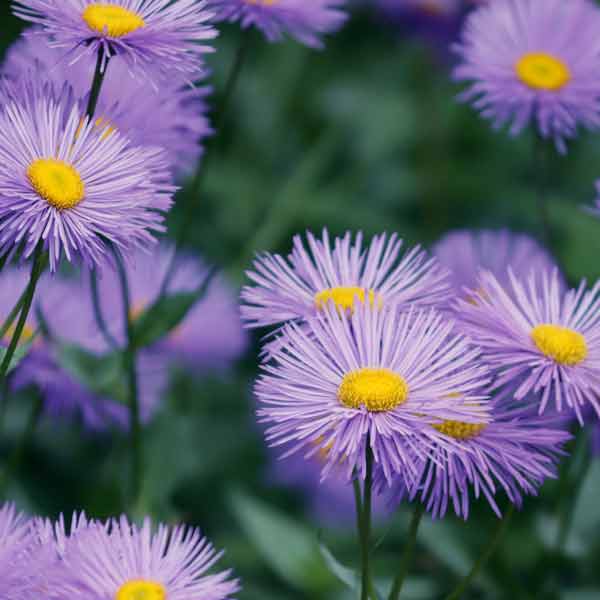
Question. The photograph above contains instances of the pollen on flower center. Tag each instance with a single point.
(542, 71)
(141, 590)
(57, 182)
(345, 297)
(565, 346)
(460, 430)
(112, 19)
(377, 390)
(26, 335)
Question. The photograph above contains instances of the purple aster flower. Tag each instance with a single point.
(71, 187)
(210, 336)
(65, 395)
(544, 340)
(375, 377)
(304, 21)
(331, 501)
(124, 562)
(343, 272)
(534, 61)
(173, 116)
(465, 253)
(150, 35)
(514, 453)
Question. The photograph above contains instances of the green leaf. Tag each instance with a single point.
(102, 374)
(164, 315)
(289, 548)
(343, 573)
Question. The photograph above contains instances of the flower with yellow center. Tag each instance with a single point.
(542, 71)
(141, 590)
(346, 297)
(57, 182)
(565, 346)
(378, 390)
(111, 19)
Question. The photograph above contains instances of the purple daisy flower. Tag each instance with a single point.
(71, 187)
(343, 272)
(65, 395)
(515, 453)
(304, 21)
(174, 116)
(122, 561)
(539, 338)
(534, 61)
(150, 35)
(211, 335)
(375, 377)
(465, 253)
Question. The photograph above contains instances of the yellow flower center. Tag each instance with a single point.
(26, 335)
(262, 2)
(57, 182)
(542, 71)
(141, 590)
(101, 124)
(377, 390)
(565, 346)
(459, 430)
(112, 19)
(345, 297)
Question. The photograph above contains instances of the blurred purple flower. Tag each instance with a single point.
(305, 21)
(534, 61)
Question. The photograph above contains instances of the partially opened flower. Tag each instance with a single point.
(210, 336)
(513, 454)
(465, 253)
(172, 116)
(534, 62)
(126, 562)
(373, 378)
(539, 338)
(344, 272)
(70, 186)
(150, 35)
(305, 21)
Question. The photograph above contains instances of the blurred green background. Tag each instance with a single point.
(365, 135)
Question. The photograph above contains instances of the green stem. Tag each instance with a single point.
(571, 489)
(99, 74)
(23, 443)
(97, 307)
(36, 272)
(493, 543)
(129, 366)
(365, 526)
(541, 174)
(407, 554)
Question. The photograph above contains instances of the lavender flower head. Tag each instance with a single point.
(210, 336)
(305, 21)
(123, 562)
(539, 338)
(342, 271)
(465, 253)
(151, 36)
(70, 187)
(375, 378)
(534, 62)
(172, 116)
(65, 395)
(514, 453)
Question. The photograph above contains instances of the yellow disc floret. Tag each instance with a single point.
(112, 19)
(345, 297)
(565, 346)
(141, 590)
(542, 71)
(377, 390)
(460, 430)
(57, 182)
